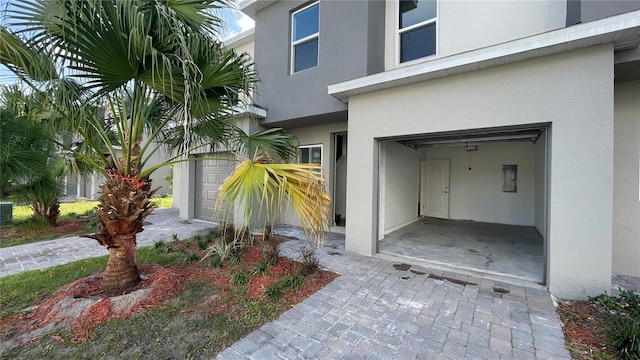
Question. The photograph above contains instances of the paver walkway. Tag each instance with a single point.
(163, 224)
(376, 311)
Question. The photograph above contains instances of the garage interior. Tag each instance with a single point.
(487, 209)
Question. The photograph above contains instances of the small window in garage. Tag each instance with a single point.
(510, 178)
(311, 154)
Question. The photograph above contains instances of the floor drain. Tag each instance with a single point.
(405, 277)
(333, 253)
(417, 272)
(501, 290)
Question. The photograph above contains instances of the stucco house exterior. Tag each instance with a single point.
(524, 113)
(88, 186)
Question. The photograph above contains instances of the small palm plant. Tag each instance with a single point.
(31, 165)
(266, 180)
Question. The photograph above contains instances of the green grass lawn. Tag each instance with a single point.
(20, 290)
(75, 218)
(68, 210)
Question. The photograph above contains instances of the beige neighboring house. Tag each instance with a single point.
(88, 186)
(521, 114)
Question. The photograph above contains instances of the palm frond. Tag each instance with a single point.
(26, 62)
(263, 190)
(275, 141)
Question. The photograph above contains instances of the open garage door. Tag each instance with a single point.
(475, 200)
(209, 175)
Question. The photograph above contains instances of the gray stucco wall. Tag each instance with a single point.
(593, 10)
(350, 46)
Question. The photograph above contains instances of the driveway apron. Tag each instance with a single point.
(380, 309)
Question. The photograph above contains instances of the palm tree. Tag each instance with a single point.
(163, 79)
(30, 165)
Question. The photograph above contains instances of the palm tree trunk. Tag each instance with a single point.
(48, 212)
(121, 273)
(124, 204)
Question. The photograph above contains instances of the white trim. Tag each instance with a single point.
(250, 109)
(241, 39)
(305, 39)
(619, 28)
(251, 7)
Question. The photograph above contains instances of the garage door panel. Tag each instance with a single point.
(210, 174)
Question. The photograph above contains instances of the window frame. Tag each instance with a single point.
(410, 28)
(305, 39)
(310, 147)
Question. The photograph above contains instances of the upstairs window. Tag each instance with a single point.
(417, 29)
(304, 38)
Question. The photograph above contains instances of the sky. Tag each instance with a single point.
(236, 21)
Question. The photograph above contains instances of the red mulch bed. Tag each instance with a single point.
(584, 330)
(165, 283)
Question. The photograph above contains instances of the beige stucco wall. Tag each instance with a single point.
(463, 25)
(477, 195)
(317, 135)
(573, 91)
(398, 186)
(626, 187)
(246, 48)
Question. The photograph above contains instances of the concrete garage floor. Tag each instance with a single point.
(514, 251)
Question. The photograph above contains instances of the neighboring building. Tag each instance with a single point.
(523, 113)
(88, 186)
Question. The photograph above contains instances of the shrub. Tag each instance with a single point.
(309, 262)
(261, 268)
(270, 248)
(292, 281)
(216, 263)
(220, 249)
(274, 291)
(240, 278)
(236, 258)
(623, 322)
(203, 242)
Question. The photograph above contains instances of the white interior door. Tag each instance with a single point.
(434, 201)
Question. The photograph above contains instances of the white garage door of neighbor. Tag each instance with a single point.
(210, 174)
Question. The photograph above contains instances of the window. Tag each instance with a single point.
(304, 38)
(311, 154)
(417, 28)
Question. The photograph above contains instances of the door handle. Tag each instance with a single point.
(446, 192)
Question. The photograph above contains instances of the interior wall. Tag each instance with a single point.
(540, 218)
(626, 185)
(476, 193)
(399, 186)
